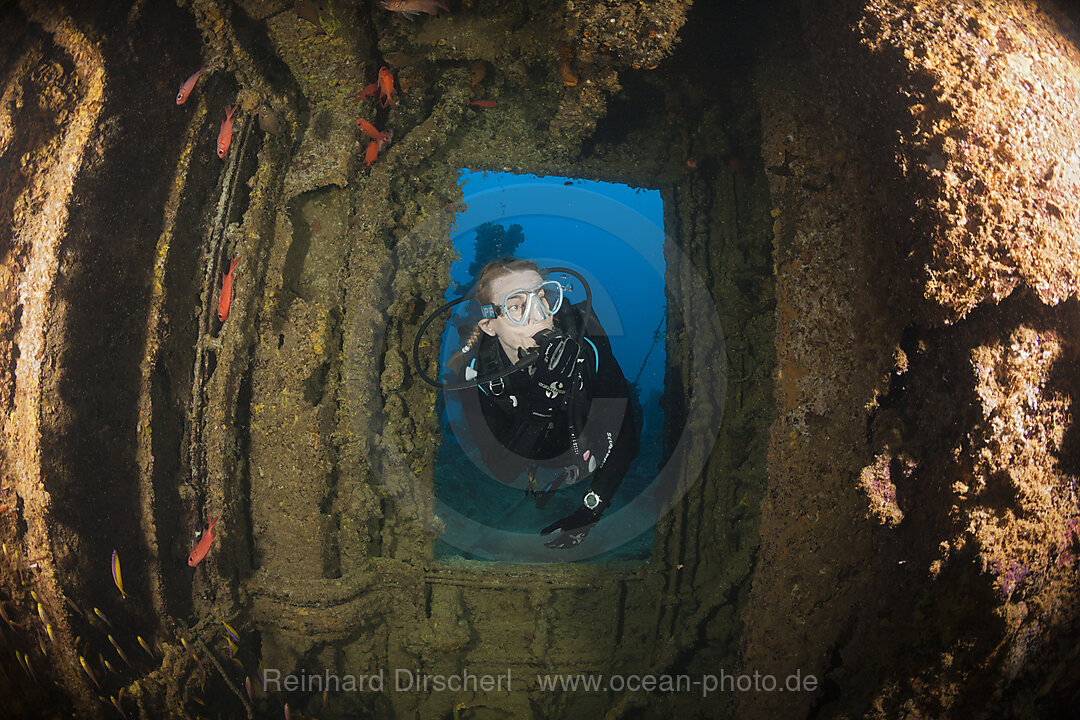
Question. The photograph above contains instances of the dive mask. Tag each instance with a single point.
(522, 304)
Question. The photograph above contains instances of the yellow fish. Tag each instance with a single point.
(188, 648)
(119, 651)
(232, 633)
(116, 576)
(89, 673)
(24, 659)
(144, 645)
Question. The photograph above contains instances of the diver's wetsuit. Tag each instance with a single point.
(512, 439)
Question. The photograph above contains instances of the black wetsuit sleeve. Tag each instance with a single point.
(612, 429)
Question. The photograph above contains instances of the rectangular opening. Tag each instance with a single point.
(612, 236)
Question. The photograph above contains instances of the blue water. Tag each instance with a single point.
(613, 235)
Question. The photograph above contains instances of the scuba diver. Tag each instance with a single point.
(550, 396)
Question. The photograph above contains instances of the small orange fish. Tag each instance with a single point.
(386, 87)
(226, 292)
(377, 145)
(484, 103)
(203, 546)
(369, 130)
(187, 87)
(370, 90)
(224, 136)
(372, 152)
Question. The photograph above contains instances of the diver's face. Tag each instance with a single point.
(510, 334)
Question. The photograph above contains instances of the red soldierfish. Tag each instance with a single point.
(484, 103)
(370, 90)
(369, 130)
(226, 292)
(224, 136)
(372, 152)
(187, 87)
(386, 87)
(203, 546)
(377, 145)
(412, 7)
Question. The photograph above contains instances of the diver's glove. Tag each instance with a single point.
(558, 356)
(552, 373)
(574, 527)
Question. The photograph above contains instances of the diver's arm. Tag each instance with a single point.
(575, 527)
(609, 475)
(612, 431)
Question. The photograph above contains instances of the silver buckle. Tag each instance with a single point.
(591, 500)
